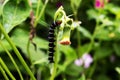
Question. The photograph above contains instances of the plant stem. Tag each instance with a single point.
(38, 8)
(6, 69)
(3, 72)
(37, 16)
(91, 46)
(75, 12)
(79, 42)
(17, 52)
(29, 55)
(28, 51)
(93, 36)
(55, 59)
(13, 61)
(36, 22)
(92, 69)
(41, 13)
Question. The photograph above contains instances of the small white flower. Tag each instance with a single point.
(85, 60)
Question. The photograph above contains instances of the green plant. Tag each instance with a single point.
(94, 48)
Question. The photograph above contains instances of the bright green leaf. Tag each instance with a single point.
(117, 69)
(20, 38)
(82, 77)
(69, 52)
(14, 14)
(85, 32)
(2, 4)
(6, 44)
(70, 55)
(92, 14)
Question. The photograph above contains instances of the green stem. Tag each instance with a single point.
(91, 46)
(6, 69)
(92, 69)
(75, 12)
(92, 38)
(28, 51)
(38, 8)
(38, 16)
(29, 55)
(35, 23)
(41, 13)
(79, 42)
(78, 38)
(55, 59)
(17, 52)
(3, 72)
(13, 61)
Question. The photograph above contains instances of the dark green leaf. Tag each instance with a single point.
(73, 70)
(116, 47)
(75, 4)
(103, 52)
(102, 77)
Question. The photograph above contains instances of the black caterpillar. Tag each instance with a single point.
(51, 38)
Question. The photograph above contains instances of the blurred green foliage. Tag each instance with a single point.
(98, 35)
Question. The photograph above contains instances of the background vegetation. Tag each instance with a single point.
(97, 36)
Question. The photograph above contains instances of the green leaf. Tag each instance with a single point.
(117, 69)
(85, 32)
(20, 38)
(113, 8)
(6, 44)
(14, 14)
(102, 34)
(108, 33)
(75, 4)
(82, 77)
(70, 55)
(102, 77)
(83, 48)
(116, 47)
(2, 4)
(103, 52)
(92, 14)
(69, 52)
(73, 70)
